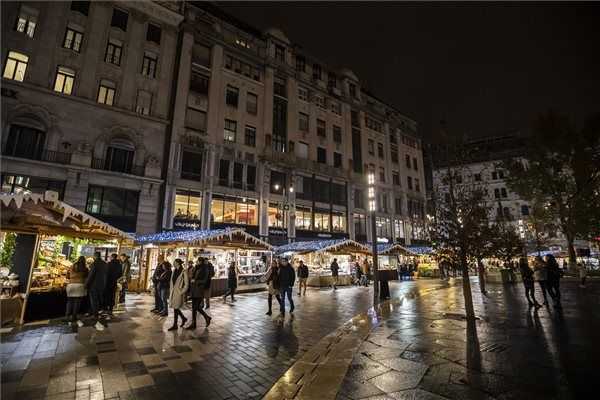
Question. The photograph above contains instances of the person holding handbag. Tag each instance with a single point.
(273, 285)
(179, 284)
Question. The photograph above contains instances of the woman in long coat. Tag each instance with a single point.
(179, 286)
(273, 285)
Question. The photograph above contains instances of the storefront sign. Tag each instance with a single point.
(276, 231)
(182, 224)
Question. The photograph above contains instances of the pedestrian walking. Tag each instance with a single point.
(199, 277)
(287, 277)
(125, 277)
(113, 274)
(232, 281)
(366, 271)
(335, 271)
(164, 288)
(76, 275)
(211, 275)
(582, 274)
(302, 278)
(540, 275)
(527, 276)
(158, 271)
(554, 275)
(178, 286)
(95, 285)
(273, 286)
(358, 273)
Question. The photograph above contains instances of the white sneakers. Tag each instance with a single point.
(99, 326)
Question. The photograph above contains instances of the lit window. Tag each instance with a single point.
(27, 21)
(144, 101)
(149, 64)
(73, 39)
(114, 48)
(15, 67)
(230, 131)
(106, 92)
(64, 80)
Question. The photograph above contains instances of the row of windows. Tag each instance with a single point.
(241, 67)
(232, 95)
(16, 65)
(304, 126)
(394, 154)
(320, 101)
(230, 133)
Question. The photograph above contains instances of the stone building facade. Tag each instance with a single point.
(267, 137)
(86, 91)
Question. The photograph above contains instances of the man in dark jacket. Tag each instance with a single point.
(164, 287)
(287, 276)
(113, 274)
(95, 285)
(125, 277)
(211, 274)
(335, 273)
(302, 278)
(198, 280)
(158, 271)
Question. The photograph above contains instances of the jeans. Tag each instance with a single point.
(73, 304)
(157, 299)
(164, 299)
(198, 307)
(95, 302)
(270, 300)
(544, 289)
(230, 291)
(288, 291)
(301, 285)
(109, 296)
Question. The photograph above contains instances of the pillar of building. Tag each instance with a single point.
(209, 177)
(264, 177)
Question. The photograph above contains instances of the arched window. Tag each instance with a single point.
(119, 156)
(25, 142)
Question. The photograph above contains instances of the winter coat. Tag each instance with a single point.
(540, 272)
(96, 280)
(211, 274)
(179, 286)
(273, 280)
(335, 269)
(198, 278)
(287, 276)
(126, 276)
(114, 273)
(303, 271)
(526, 275)
(232, 278)
(165, 277)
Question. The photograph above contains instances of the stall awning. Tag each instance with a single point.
(45, 214)
(420, 250)
(228, 237)
(340, 246)
(389, 249)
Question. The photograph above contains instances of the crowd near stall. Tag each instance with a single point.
(41, 238)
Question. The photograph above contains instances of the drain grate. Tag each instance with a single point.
(494, 347)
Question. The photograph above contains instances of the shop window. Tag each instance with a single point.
(25, 142)
(15, 67)
(65, 78)
(277, 216)
(191, 165)
(31, 184)
(234, 210)
(115, 206)
(106, 92)
(27, 21)
(119, 19)
(144, 101)
(224, 172)
(73, 39)
(195, 119)
(229, 131)
(153, 33)
(338, 222)
(149, 63)
(303, 218)
(251, 103)
(188, 205)
(322, 221)
(82, 7)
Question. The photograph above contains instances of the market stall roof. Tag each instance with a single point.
(45, 214)
(392, 249)
(420, 250)
(339, 246)
(227, 237)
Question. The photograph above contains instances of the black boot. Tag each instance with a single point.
(193, 324)
(175, 318)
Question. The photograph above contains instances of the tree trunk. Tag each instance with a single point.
(469, 311)
(572, 254)
(481, 273)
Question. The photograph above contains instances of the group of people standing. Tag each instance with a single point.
(280, 281)
(99, 283)
(547, 274)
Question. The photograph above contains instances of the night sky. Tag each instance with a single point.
(485, 69)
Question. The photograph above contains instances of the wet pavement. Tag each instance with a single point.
(241, 355)
(414, 347)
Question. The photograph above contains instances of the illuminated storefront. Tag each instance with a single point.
(187, 209)
(233, 210)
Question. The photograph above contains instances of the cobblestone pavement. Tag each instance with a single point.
(424, 350)
(241, 355)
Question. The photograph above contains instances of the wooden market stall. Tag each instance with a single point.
(318, 255)
(391, 256)
(427, 265)
(220, 246)
(46, 232)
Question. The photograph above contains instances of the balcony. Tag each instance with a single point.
(100, 163)
(52, 156)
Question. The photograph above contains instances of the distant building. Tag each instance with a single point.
(85, 104)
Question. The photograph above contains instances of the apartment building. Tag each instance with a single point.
(86, 89)
(268, 137)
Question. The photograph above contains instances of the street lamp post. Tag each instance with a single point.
(372, 209)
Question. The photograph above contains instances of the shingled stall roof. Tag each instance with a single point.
(227, 238)
(388, 249)
(44, 214)
(336, 246)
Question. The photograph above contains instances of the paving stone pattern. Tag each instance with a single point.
(423, 350)
(241, 355)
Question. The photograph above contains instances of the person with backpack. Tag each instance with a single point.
(302, 278)
(273, 286)
(232, 281)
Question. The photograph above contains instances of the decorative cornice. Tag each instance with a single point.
(157, 12)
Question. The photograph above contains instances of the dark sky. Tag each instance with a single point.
(484, 68)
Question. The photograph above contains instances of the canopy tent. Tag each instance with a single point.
(389, 249)
(44, 214)
(228, 237)
(420, 250)
(339, 246)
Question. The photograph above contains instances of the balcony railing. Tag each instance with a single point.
(100, 163)
(44, 155)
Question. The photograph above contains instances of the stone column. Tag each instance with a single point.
(263, 189)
